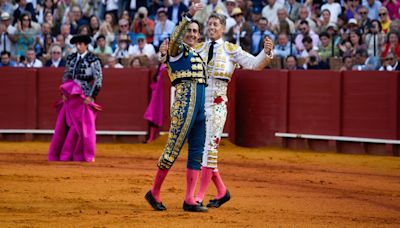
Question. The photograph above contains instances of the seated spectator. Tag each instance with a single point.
(94, 25)
(304, 16)
(24, 8)
(177, 9)
(292, 64)
(6, 60)
(365, 62)
(313, 62)
(304, 29)
(258, 37)
(347, 63)
(31, 60)
(347, 48)
(375, 39)
(324, 21)
(270, 11)
(356, 42)
(326, 50)
(372, 8)
(112, 63)
(283, 23)
(138, 61)
(7, 34)
(352, 25)
(332, 32)
(56, 59)
(284, 48)
(107, 31)
(25, 35)
(384, 19)
(351, 8)
(390, 63)
(292, 7)
(124, 30)
(163, 28)
(308, 47)
(202, 15)
(392, 45)
(365, 21)
(44, 40)
(334, 9)
(124, 47)
(102, 47)
(142, 47)
(6, 7)
(240, 33)
(76, 19)
(143, 24)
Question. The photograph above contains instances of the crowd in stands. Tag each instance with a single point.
(308, 34)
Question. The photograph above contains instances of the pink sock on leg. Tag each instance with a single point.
(191, 180)
(221, 189)
(206, 174)
(159, 179)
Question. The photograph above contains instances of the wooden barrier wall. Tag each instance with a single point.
(355, 104)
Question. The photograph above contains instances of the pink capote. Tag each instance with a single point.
(74, 136)
(155, 110)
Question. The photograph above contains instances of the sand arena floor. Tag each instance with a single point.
(269, 187)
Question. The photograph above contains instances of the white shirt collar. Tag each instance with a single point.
(83, 55)
(218, 42)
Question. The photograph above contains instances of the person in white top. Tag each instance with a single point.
(163, 28)
(7, 34)
(31, 60)
(142, 47)
(270, 11)
(334, 8)
(112, 63)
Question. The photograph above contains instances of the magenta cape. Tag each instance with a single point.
(155, 110)
(74, 136)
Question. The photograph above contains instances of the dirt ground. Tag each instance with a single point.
(270, 188)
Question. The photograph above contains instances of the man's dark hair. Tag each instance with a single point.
(324, 34)
(306, 39)
(362, 52)
(291, 56)
(6, 53)
(304, 22)
(220, 17)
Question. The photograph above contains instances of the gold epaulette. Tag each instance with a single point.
(230, 47)
(199, 46)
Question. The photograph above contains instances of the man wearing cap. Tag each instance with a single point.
(240, 33)
(222, 57)
(187, 73)
(7, 34)
(142, 47)
(75, 134)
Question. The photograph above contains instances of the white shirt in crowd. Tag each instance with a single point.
(36, 63)
(147, 50)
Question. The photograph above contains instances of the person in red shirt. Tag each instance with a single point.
(142, 24)
(392, 45)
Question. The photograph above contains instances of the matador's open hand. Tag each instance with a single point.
(268, 45)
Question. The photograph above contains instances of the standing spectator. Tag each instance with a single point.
(293, 8)
(56, 59)
(257, 41)
(6, 7)
(384, 19)
(304, 29)
(48, 7)
(392, 45)
(270, 11)
(393, 7)
(284, 48)
(142, 47)
(25, 35)
(291, 63)
(163, 28)
(347, 62)
(176, 10)
(94, 25)
(325, 21)
(240, 34)
(77, 19)
(365, 21)
(6, 60)
(230, 21)
(282, 20)
(112, 8)
(375, 39)
(7, 34)
(304, 16)
(212, 6)
(365, 62)
(334, 9)
(373, 8)
(23, 8)
(102, 47)
(326, 50)
(351, 8)
(391, 63)
(142, 24)
(31, 60)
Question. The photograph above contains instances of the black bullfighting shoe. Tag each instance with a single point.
(154, 204)
(218, 202)
(194, 208)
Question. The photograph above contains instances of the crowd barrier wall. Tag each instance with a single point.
(261, 103)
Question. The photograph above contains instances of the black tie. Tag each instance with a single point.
(211, 51)
(261, 43)
(4, 43)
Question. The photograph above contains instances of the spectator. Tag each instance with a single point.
(392, 45)
(372, 8)
(325, 21)
(291, 63)
(240, 33)
(326, 50)
(304, 16)
(56, 59)
(125, 15)
(136, 4)
(31, 60)
(347, 48)
(153, 7)
(63, 9)
(356, 42)
(163, 28)
(304, 29)
(76, 19)
(25, 35)
(48, 7)
(347, 63)
(142, 24)
(6, 60)
(308, 47)
(54, 26)
(283, 20)
(7, 34)
(258, 37)
(270, 11)
(284, 48)
(112, 63)
(393, 7)
(332, 31)
(66, 33)
(293, 8)
(142, 47)
(384, 19)
(44, 40)
(112, 8)
(107, 31)
(365, 21)
(351, 8)
(94, 25)
(313, 62)
(102, 47)
(391, 63)
(213, 6)
(124, 30)
(364, 62)
(375, 39)
(352, 25)
(230, 21)
(6, 7)
(138, 61)
(124, 47)
(23, 8)
(334, 9)
(176, 10)
(111, 20)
